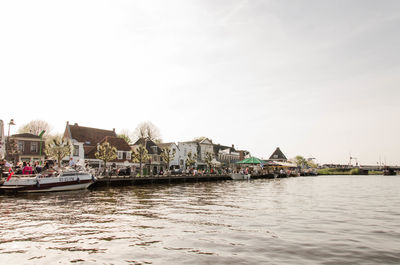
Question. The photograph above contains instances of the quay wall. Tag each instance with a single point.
(146, 180)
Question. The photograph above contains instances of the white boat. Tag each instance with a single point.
(49, 181)
(239, 176)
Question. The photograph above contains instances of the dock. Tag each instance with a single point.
(161, 179)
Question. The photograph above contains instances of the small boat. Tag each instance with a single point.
(240, 176)
(49, 181)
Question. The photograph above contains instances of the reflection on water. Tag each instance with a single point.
(322, 220)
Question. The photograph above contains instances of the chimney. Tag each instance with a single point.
(67, 123)
(233, 146)
(113, 129)
(76, 124)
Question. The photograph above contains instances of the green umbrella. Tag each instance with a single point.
(250, 160)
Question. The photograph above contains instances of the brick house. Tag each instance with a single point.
(30, 147)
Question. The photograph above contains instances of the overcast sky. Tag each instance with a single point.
(316, 78)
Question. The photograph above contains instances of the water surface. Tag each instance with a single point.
(305, 220)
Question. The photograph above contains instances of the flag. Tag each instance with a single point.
(10, 173)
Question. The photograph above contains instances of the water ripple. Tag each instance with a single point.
(323, 220)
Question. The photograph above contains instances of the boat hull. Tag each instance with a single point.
(48, 184)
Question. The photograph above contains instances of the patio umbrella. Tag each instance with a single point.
(250, 160)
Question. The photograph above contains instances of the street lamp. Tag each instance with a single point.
(9, 124)
(8, 137)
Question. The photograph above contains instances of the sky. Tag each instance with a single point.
(316, 78)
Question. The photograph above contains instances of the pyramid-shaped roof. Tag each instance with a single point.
(278, 155)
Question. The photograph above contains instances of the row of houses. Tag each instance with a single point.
(85, 141)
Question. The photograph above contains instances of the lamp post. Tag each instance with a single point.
(9, 124)
(8, 147)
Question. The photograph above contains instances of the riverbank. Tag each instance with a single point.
(354, 171)
(161, 179)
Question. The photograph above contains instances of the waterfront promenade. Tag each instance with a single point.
(162, 179)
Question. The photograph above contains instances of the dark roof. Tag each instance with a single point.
(165, 145)
(116, 142)
(218, 147)
(26, 135)
(277, 155)
(89, 136)
(149, 145)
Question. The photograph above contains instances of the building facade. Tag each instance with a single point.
(29, 147)
(85, 141)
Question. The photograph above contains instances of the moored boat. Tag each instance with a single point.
(49, 181)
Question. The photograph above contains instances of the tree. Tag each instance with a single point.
(302, 162)
(140, 155)
(208, 159)
(148, 131)
(199, 139)
(58, 148)
(167, 155)
(125, 137)
(11, 148)
(106, 152)
(36, 127)
(191, 159)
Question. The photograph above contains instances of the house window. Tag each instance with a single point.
(76, 150)
(154, 149)
(120, 155)
(34, 147)
(20, 146)
(128, 155)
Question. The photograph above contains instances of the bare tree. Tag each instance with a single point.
(36, 127)
(148, 131)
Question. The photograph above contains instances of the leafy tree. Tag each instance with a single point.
(106, 153)
(57, 147)
(208, 159)
(167, 155)
(191, 160)
(148, 131)
(125, 137)
(140, 155)
(300, 161)
(36, 127)
(11, 148)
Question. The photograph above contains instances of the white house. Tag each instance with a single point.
(85, 141)
(183, 149)
(175, 162)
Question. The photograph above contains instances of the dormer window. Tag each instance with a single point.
(87, 142)
(120, 155)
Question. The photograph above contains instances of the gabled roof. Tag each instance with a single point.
(87, 135)
(278, 155)
(148, 144)
(218, 148)
(25, 135)
(166, 145)
(117, 142)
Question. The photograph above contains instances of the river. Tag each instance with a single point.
(304, 220)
